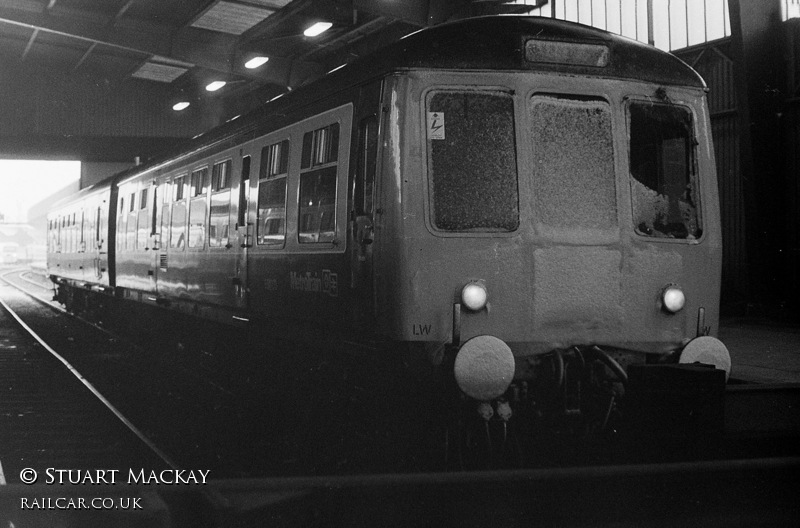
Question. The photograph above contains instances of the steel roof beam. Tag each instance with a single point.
(217, 53)
(30, 43)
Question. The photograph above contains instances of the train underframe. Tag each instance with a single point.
(583, 404)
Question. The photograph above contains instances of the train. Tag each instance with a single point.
(526, 206)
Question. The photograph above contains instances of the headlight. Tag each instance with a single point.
(673, 298)
(474, 295)
(484, 367)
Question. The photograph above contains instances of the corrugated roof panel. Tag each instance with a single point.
(274, 4)
(227, 17)
(154, 71)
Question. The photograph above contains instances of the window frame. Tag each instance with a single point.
(215, 190)
(317, 167)
(489, 88)
(265, 176)
(196, 195)
(696, 174)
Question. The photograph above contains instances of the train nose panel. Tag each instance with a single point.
(484, 367)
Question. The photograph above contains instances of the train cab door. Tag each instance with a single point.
(362, 215)
(245, 229)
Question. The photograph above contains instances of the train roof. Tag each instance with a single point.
(77, 196)
(521, 43)
(480, 43)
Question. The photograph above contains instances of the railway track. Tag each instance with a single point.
(131, 382)
(186, 396)
(72, 370)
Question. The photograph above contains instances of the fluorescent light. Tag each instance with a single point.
(317, 29)
(216, 85)
(181, 106)
(255, 62)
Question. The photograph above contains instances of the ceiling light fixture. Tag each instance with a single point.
(317, 29)
(180, 106)
(216, 85)
(255, 62)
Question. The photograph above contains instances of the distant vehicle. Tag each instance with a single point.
(524, 205)
(10, 253)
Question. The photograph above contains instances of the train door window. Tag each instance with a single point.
(121, 216)
(130, 233)
(73, 235)
(244, 187)
(363, 198)
(220, 204)
(161, 219)
(573, 174)
(271, 223)
(663, 171)
(143, 222)
(162, 222)
(67, 236)
(177, 233)
(197, 208)
(472, 161)
(317, 211)
(81, 229)
(98, 220)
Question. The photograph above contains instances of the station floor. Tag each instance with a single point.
(761, 350)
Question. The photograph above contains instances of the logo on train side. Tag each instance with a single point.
(315, 282)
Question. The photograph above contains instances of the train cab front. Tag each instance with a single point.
(563, 238)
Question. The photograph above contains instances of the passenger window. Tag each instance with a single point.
(197, 208)
(573, 172)
(220, 204)
(663, 171)
(472, 161)
(179, 188)
(177, 235)
(220, 176)
(271, 224)
(317, 211)
(199, 182)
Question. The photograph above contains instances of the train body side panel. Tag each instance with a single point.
(78, 239)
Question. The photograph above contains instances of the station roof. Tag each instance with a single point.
(172, 49)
